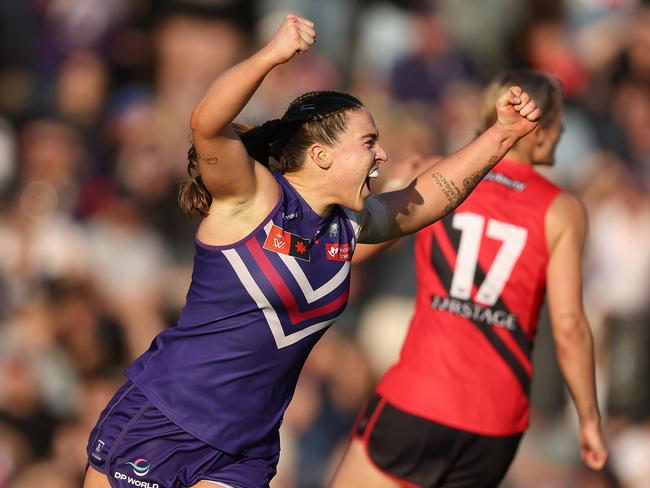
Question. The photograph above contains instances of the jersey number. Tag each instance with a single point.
(471, 226)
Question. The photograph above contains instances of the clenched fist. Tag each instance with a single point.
(295, 35)
(517, 112)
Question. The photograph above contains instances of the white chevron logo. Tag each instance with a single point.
(281, 340)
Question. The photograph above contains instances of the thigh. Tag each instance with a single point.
(95, 479)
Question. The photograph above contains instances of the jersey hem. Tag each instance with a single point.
(454, 425)
(234, 452)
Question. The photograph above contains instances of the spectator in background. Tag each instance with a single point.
(434, 64)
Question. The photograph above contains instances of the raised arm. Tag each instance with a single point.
(444, 185)
(566, 225)
(226, 169)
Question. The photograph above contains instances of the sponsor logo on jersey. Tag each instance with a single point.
(474, 311)
(140, 466)
(134, 481)
(338, 252)
(505, 181)
(283, 242)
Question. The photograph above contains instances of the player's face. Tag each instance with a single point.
(357, 159)
(544, 153)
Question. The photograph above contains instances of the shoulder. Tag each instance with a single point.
(565, 215)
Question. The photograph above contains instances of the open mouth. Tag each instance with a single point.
(374, 173)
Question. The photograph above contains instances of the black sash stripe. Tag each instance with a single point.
(518, 334)
(445, 274)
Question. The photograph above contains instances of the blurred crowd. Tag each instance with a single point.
(95, 254)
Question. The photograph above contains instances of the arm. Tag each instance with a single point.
(566, 227)
(397, 176)
(444, 186)
(226, 169)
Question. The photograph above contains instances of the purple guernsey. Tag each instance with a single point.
(227, 371)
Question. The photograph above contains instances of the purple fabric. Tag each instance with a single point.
(227, 371)
(134, 444)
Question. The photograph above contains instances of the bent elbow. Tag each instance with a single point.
(196, 123)
(571, 333)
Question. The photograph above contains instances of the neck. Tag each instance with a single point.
(312, 194)
(518, 155)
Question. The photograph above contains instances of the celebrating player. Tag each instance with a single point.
(204, 404)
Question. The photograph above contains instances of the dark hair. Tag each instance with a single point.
(544, 88)
(313, 117)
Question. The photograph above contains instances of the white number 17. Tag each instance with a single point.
(471, 227)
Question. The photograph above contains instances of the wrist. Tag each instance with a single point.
(507, 137)
(267, 58)
(589, 417)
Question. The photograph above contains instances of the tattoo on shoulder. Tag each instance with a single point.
(209, 160)
(455, 195)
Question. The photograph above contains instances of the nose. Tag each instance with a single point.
(380, 154)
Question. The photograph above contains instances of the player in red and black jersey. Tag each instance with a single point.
(452, 410)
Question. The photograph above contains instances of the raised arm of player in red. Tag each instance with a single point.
(444, 186)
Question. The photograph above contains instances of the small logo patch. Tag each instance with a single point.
(98, 449)
(338, 252)
(140, 466)
(287, 243)
(99, 446)
(334, 230)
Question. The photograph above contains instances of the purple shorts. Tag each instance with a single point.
(135, 445)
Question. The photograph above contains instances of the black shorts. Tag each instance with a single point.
(419, 452)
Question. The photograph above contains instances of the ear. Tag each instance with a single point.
(320, 155)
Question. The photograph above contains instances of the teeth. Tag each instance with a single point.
(374, 173)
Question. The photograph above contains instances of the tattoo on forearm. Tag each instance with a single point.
(209, 160)
(449, 190)
(455, 195)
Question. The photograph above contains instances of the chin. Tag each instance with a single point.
(545, 162)
(358, 206)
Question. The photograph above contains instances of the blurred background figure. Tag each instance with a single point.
(95, 97)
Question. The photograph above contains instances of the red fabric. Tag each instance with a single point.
(449, 371)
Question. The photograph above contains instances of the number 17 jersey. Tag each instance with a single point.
(481, 271)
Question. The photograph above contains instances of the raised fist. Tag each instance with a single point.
(517, 112)
(295, 35)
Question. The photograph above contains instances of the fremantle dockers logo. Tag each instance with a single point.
(140, 466)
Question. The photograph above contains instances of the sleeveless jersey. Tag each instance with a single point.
(227, 371)
(481, 271)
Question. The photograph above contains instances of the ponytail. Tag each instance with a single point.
(261, 142)
(193, 196)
